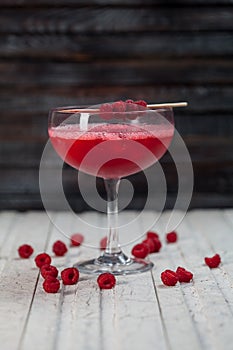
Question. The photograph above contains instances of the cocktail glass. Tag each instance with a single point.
(111, 146)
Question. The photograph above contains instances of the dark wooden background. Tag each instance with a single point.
(69, 52)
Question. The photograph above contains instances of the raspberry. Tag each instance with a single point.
(59, 248)
(214, 261)
(151, 245)
(106, 111)
(51, 285)
(169, 278)
(48, 271)
(76, 239)
(140, 250)
(70, 276)
(131, 106)
(183, 275)
(151, 234)
(171, 237)
(119, 106)
(42, 259)
(25, 251)
(158, 245)
(141, 103)
(106, 281)
(103, 243)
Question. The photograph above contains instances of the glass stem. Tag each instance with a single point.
(112, 187)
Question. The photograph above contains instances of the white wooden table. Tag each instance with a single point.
(139, 313)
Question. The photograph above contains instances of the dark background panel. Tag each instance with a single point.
(85, 52)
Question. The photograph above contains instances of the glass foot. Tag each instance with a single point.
(117, 264)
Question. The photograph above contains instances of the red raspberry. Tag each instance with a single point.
(214, 261)
(151, 245)
(158, 245)
(42, 259)
(141, 103)
(169, 278)
(183, 275)
(171, 237)
(140, 250)
(70, 276)
(151, 234)
(131, 106)
(48, 271)
(119, 106)
(59, 248)
(76, 239)
(25, 251)
(51, 285)
(106, 281)
(103, 243)
(106, 111)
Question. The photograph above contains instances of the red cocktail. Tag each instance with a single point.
(111, 141)
(116, 142)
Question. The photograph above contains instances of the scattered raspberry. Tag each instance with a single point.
(106, 281)
(51, 285)
(169, 278)
(140, 250)
(70, 276)
(103, 243)
(214, 261)
(171, 237)
(158, 245)
(106, 111)
(141, 103)
(150, 244)
(25, 251)
(59, 248)
(48, 271)
(154, 244)
(42, 259)
(183, 275)
(76, 239)
(151, 234)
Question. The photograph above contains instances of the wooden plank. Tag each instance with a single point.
(119, 313)
(36, 3)
(229, 215)
(174, 311)
(146, 45)
(115, 20)
(48, 318)
(210, 287)
(31, 228)
(156, 72)
(83, 315)
(24, 201)
(209, 99)
(28, 183)
(72, 315)
(7, 219)
(205, 130)
(216, 146)
(20, 275)
(204, 227)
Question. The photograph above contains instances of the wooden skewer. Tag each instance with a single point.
(172, 105)
(150, 106)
